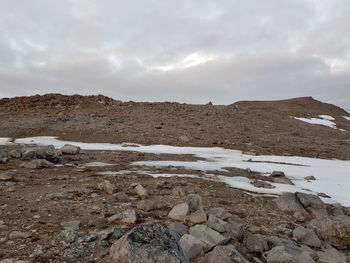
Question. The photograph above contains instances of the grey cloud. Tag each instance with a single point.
(254, 49)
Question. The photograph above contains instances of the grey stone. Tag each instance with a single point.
(333, 229)
(68, 235)
(289, 203)
(178, 228)
(127, 217)
(194, 202)
(191, 246)
(146, 205)
(196, 218)
(310, 178)
(147, 244)
(14, 154)
(4, 157)
(73, 225)
(106, 186)
(179, 212)
(37, 164)
(209, 237)
(280, 177)
(70, 149)
(223, 254)
(306, 237)
(329, 254)
(141, 191)
(41, 152)
(220, 213)
(216, 223)
(59, 196)
(287, 254)
(178, 191)
(19, 235)
(255, 243)
(313, 204)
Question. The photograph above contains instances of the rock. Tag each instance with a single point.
(289, 203)
(196, 218)
(127, 217)
(223, 254)
(194, 202)
(306, 237)
(70, 149)
(106, 186)
(313, 204)
(5, 177)
(178, 228)
(14, 154)
(122, 197)
(59, 196)
(179, 212)
(146, 205)
(184, 139)
(147, 244)
(287, 254)
(255, 243)
(220, 213)
(262, 184)
(178, 191)
(310, 178)
(329, 254)
(72, 225)
(4, 157)
(41, 152)
(209, 237)
(216, 223)
(19, 235)
(280, 177)
(233, 231)
(37, 164)
(141, 191)
(191, 246)
(68, 235)
(333, 229)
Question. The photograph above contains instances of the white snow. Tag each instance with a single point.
(318, 121)
(5, 141)
(97, 164)
(327, 117)
(332, 176)
(346, 117)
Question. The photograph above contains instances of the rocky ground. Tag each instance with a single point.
(55, 208)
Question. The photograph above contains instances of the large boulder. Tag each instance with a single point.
(333, 229)
(313, 204)
(41, 152)
(147, 244)
(223, 254)
(329, 254)
(209, 237)
(191, 246)
(289, 203)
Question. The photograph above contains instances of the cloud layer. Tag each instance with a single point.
(191, 51)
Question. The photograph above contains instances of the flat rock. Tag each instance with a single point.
(127, 217)
(178, 228)
(70, 149)
(19, 235)
(37, 164)
(146, 205)
(329, 254)
(73, 225)
(287, 254)
(216, 223)
(313, 204)
(106, 186)
(209, 237)
(147, 244)
(197, 217)
(255, 243)
(179, 212)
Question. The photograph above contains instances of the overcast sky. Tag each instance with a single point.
(191, 51)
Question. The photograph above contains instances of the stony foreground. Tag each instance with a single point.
(56, 209)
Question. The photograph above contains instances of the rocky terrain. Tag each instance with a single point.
(64, 204)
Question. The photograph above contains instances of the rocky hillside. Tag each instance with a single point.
(256, 127)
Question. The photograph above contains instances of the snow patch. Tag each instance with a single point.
(346, 117)
(332, 176)
(5, 141)
(324, 120)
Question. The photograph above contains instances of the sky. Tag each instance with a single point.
(192, 51)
